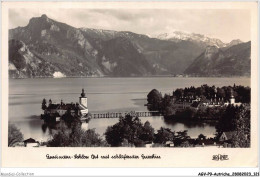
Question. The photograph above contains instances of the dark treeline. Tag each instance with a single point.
(130, 132)
(241, 93)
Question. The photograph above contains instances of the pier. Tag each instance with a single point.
(139, 114)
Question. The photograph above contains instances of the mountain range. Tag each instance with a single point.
(198, 38)
(222, 61)
(48, 48)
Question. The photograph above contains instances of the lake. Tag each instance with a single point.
(104, 95)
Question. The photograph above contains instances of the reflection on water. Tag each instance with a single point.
(104, 95)
(194, 129)
(190, 124)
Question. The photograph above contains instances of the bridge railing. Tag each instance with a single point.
(120, 114)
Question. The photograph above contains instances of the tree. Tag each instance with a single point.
(61, 137)
(236, 120)
(14, 135)
(125, 143)
(154, 99)
(167, 105)
(200, 91)
(163, 135)
(185, 144)
(182, 135)
(148, 132)
(221, 93)
(112, 136)
(91, 138)
(226, 122)
(241, 136)
(203, 99)
(201, 137)
(181, 139)
(44, 104)
(243, 94)
(129, 129)
(178, 93)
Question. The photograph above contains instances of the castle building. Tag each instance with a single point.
(232, 101)
(59, 109)
(192, 102)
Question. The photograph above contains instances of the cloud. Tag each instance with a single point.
(223, 24)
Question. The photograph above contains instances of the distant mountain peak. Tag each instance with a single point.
(37, 22)
(194, 37)
(179, 35)
(234, 42)
(44, 16)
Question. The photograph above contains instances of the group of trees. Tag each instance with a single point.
(129, 131)
(180, 138)
(241, 93)
(156, 102)
(68, 132)
(75, 136)
(64, 136)
(14, 135)
(237, 121)
(154, 99)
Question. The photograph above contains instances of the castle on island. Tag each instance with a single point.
(57, 110)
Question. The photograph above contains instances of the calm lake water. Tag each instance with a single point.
(104, 95)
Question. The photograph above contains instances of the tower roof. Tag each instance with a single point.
(83, 93)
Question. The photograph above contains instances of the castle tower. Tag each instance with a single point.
(83, 99)
(232, 99)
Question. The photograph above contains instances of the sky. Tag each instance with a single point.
(224, 24)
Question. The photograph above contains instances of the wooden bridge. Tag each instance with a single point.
(120, 114)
